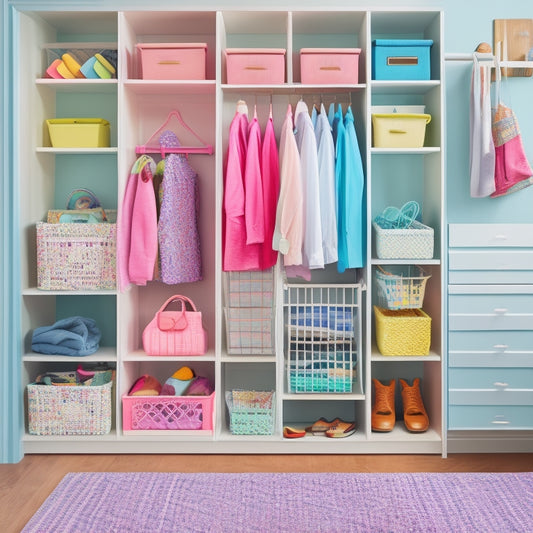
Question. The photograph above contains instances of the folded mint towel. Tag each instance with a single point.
(75, 335)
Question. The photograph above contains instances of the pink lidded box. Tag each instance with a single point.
(255, 66)
(331, 66)
(173, 61)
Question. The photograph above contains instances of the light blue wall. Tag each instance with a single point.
(466, 24)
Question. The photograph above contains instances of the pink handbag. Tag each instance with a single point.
(176, 332)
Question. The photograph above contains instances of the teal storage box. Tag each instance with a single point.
(401, 59)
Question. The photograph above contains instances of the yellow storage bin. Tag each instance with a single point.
(399, 130)
(78, 132)
(402, 332)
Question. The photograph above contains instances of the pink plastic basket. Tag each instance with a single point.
(168, 413)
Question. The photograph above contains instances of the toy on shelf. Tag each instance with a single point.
(81, 63)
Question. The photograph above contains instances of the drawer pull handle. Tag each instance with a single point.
(501, 347)
(500, 237)
(503, 422)
(169, 62)
(500, 384)
(397, 131)
(501, 310)
(402, 60)
(252, 67)
(330, 68)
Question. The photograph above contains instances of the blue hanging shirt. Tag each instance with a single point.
(354, 182)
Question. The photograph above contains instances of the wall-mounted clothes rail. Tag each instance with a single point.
(488, 57)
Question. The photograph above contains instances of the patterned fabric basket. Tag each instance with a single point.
(69, 410)
(402, 332)
(415, 242)
(251, 412)
(400, 287)
(249, 289)
(168, 413)
(76, 256)
(249, 330)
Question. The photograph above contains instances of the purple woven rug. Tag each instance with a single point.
(296, 503)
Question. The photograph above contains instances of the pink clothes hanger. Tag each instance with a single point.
(157, 149)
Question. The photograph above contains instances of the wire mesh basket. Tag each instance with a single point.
(400, 286)
(322, 338)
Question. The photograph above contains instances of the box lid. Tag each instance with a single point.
(272, 51)
(402, 42)
(142, 46)
(415, 116)
(330, 51)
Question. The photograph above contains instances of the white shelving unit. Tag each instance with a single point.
(135, 109)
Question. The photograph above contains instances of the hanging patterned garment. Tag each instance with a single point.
(326, 173)
(137, 226)
(312, 253)
(237, 255)
(179, 238)
(512, 171)
(288, 233)
(352, 198)
(270, 181)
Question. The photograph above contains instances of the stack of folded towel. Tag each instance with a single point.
(74, 336)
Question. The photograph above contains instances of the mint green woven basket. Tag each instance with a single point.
(252, 416)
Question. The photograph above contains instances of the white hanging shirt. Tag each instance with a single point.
(326, 176)
(312, 253)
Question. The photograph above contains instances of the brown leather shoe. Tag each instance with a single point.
(383, 415)
(415, 417)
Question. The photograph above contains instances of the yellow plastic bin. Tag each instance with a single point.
(399, 130)
(78, 132)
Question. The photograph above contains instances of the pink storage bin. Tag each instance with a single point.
(168, 413)
(173, 61)
(331, 66)
(255, 66)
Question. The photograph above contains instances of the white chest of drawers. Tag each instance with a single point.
(490, 327)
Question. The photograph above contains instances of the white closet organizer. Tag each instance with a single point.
(136, 108)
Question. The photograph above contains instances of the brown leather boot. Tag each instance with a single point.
(383, 415)
(415, 417)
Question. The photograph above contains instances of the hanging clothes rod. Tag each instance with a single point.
(488, 57)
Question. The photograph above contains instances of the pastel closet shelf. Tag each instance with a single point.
(86, 151)
(135, 107)
(170, 86)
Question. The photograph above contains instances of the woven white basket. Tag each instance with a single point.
(62, 410)
(415, 242)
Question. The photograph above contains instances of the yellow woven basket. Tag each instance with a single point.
(403, 331)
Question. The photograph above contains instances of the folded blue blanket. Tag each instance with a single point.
(75, 335)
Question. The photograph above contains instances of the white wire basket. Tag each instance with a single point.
(322, 338)
(400, 286)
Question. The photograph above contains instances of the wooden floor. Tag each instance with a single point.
(25, 486)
